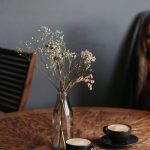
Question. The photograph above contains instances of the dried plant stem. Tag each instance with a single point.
(61, 133)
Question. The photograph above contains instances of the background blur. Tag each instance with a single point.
(97, 25)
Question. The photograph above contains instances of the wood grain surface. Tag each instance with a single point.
(31, 130)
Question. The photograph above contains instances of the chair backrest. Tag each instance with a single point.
(15, 78)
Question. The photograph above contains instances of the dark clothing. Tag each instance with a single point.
(131, 73)
(144, 98)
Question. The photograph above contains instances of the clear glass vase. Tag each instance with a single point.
(62, 121)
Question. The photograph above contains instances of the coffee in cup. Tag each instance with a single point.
(79, 144)
(118, 133)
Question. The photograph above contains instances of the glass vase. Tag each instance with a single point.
(62, 121)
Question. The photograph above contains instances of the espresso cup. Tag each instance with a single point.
(79, 144)
(118, 133)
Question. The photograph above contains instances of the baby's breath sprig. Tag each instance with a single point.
(64, 67)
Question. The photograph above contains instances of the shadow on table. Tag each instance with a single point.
(98, 143)
(43, 148)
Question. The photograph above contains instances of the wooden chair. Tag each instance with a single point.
(15, 78)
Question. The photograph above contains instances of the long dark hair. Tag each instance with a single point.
(143, 34)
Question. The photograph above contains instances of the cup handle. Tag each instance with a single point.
(105, 129)
(93, 147)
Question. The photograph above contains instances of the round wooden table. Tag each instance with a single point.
(31, 130)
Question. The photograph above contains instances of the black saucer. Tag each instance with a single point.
(106, 141)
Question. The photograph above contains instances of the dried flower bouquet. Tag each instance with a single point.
(64, 67)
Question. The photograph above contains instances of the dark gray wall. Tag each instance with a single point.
(98, 25)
